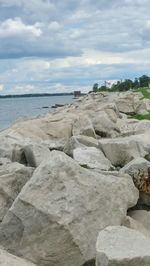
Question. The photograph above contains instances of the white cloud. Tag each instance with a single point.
(67, 44)
(1, 87)
(54, 26)
(24, 88)
(15, 27)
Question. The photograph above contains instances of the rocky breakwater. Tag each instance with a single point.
(66, 177)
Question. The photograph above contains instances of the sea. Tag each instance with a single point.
(13, 109)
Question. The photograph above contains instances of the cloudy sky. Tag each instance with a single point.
(62, 45)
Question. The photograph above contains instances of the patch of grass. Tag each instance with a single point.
(141, 117)
(145, 92)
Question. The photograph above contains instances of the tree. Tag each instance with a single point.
(144, 81)
(136, 83)
(95, 87)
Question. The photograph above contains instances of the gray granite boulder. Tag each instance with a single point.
(56, 217)
(118, 245)
(92, 158)
(13, 176)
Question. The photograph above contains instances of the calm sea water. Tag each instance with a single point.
(12, 109)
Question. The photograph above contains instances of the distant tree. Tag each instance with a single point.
(136, 83)
(95, 87)
(103, 88)
(144, 81)
(127, 84)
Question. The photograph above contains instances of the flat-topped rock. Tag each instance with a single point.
(118, 245)
(92, 158)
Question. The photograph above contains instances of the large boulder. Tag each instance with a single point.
(118, 245)
(59, 212)
(120, 151)
(13, 176)
(11, 148)
(79, 141)
(92, 158)
(126, 105)
(143, 107)
(83, 126)
(104, 126)
(35, 154)
(134, 167)
(52, 126)
(127, 102)
(132, 126)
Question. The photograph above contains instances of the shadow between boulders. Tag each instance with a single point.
(89, 263)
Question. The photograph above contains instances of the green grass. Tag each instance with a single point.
(145, 92)
(141, 117)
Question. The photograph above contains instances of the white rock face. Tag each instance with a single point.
(126, 104)
(143, 107)
(59, 212)
(130, 126)
(7, 259)
(118, 245)
(35, 154)
(104, 126)
(55, 126)
(11, 148)
(120, 151)
(83, 126)
(92, 158)
(13, 177)
(79, 141)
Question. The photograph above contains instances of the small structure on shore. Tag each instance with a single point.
(77, 94)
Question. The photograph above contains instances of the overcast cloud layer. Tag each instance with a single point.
(62, 45)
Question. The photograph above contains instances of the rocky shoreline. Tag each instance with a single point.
(74, 187)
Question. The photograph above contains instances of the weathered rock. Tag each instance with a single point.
(55, 144)
(136, 225)
(51, 126)
(141, 216)
(83, 126)
(79, 141)
(11, 148)
(135, 166)
(103, 126)
(35, 154)
(143, 107)
(132, 126)
(92, 158)
(7, 259)
(118, 245)
(59, 212)
(120, 151)
(126, 105)
(128, 102)
(141, 126)
(12, 178)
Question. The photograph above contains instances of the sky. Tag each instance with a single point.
(66, 45)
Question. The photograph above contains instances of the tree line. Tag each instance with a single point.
(127, 84)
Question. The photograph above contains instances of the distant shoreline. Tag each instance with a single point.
(35, 95)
